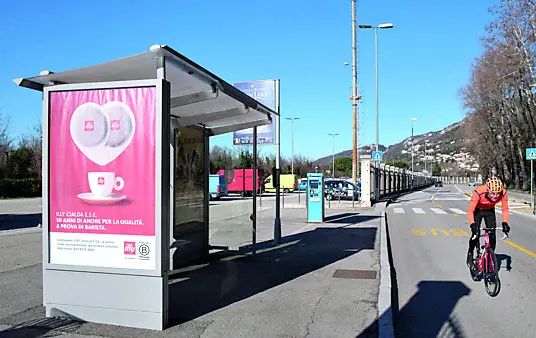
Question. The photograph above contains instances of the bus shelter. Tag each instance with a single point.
(125, 180)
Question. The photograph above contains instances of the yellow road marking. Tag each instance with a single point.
(439, 205)
(454, 215)
(520, 248)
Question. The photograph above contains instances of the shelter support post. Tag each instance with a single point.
(255, 182)
(277, 221)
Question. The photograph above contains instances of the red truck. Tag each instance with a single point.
(241, 180)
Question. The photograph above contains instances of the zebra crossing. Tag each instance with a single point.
(438, 211)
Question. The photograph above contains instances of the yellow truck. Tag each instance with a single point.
(288, 183)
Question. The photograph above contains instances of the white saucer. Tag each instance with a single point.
(89, 198)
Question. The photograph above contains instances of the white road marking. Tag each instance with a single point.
(458, 211)
(418, 211)
(438, 211)
(398, 211)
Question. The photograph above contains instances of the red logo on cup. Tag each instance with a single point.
(129, 248)
(89, 125)
(100, 181)
(116, 124)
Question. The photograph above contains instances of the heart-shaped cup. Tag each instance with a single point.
(102, 133)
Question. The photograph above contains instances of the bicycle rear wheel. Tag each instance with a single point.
(491, 273)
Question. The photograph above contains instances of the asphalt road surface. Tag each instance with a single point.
(429, 237)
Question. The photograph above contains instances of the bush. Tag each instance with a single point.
(28, 187)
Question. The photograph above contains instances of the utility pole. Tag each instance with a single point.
(355, 97)
(413, 119)
(292, 160)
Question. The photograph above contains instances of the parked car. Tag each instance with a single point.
(338, 188)
(438, 184)
(302, 186)
(471, 182)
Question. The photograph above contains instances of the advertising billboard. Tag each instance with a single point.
(263, 91)
(102, 153)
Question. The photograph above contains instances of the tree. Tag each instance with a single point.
(19, 164)
(499, 99)
(5, 144)
(399, 164)
(33, 142)
(436, 169)
(220, 158)
(245, 160)
(343, 166)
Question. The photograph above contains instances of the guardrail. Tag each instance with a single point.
(457, 179)
(385, 180)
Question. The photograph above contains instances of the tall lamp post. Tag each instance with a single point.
(425, 158)
(292, 160)
(333, 161)
(413, 119)
(380, 26)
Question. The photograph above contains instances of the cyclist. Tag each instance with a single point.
(482, 206)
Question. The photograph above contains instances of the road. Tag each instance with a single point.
(429, 237)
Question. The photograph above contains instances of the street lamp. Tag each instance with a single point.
(413, 119)
(292, 160)
(380, 26)
(333, 172)
(425, 159)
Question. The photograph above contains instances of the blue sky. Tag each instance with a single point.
(424, 59)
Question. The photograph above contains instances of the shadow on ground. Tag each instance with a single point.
(349, 218)
(504, 258)
(43, 327)
(19, 221)
(226, 278)
(429, 313)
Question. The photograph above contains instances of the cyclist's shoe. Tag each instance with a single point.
(470, 261)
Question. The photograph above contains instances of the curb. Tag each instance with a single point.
(385, 308)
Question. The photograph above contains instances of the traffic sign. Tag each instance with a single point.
(531, 153)
(377, 156)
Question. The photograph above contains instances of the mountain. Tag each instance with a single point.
(448, 147)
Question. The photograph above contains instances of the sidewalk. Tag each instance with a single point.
(322, 281)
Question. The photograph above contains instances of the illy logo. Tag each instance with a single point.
(116, 124)
(100, 181)
(129, 248)
(89, 125)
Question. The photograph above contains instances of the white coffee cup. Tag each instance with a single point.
(103, 183)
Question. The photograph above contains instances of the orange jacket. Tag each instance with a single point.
(481, 200)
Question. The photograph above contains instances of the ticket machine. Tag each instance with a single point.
(315, 197)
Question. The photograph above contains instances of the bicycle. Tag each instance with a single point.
(485, 266)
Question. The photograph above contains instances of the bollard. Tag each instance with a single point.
(299, 193)
(283, 198)
(260, 198)
(353, 198)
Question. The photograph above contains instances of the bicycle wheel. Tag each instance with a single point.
(491, 274)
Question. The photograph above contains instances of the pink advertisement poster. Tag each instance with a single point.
(102, 177)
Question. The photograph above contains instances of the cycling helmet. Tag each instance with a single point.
(494, 184)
